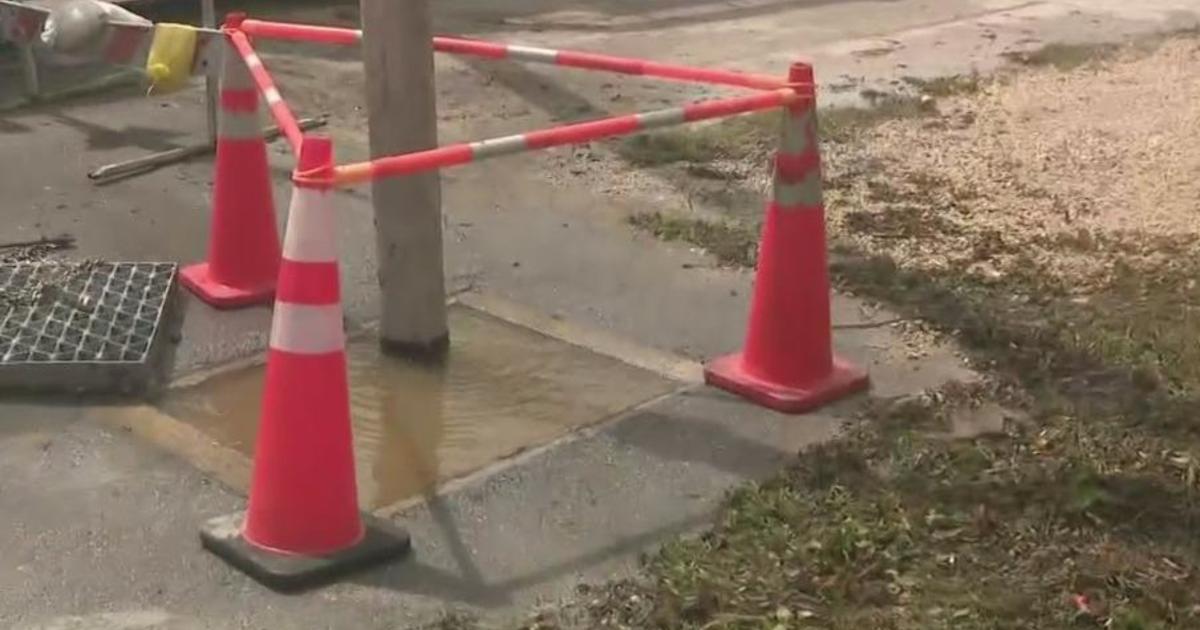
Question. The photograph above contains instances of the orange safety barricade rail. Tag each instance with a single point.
(773, 93)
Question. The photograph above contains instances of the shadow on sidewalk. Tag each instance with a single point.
(666, 436)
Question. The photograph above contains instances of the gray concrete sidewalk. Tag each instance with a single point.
(99, 526)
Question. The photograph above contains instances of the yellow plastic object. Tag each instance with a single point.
(172, 52)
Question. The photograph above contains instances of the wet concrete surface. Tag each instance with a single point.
(502, 390)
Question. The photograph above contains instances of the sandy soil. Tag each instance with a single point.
(1045, 167)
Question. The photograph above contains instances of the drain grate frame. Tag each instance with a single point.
(85, 327)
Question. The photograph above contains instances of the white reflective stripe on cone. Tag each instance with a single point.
(310, 234)
(304, 329)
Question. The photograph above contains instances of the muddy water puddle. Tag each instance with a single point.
(502, 390)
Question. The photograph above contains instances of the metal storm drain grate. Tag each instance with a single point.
(84, 326)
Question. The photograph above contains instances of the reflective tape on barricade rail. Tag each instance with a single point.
(578, 133)
(517, 52)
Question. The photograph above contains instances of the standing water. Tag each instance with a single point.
(503, 389)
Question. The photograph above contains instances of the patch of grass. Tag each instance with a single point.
(732, 243)
(1064, 57)
(1129, 346)
(1050, 347)
(670, 147)
(843, 124)
(952, 85)
(894, 527)
(733, 138)
(1133, 619)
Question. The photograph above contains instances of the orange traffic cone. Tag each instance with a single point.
(788, 363)
(302, 525)
(243, 247)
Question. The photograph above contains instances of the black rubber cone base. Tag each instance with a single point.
(381, 542)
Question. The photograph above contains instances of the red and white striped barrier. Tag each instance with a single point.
(464, 153)
(266, 85)
(533, 54)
